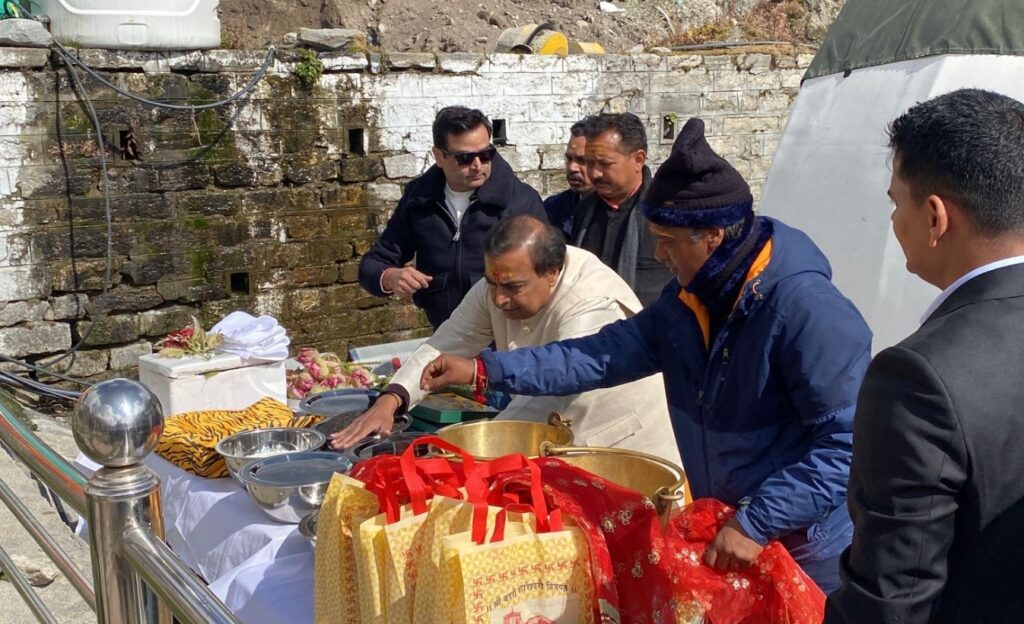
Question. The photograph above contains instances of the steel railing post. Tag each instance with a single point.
(117, 423)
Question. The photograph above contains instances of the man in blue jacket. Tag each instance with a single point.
(762, 358)
(443, 217)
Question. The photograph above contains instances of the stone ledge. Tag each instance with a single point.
(411, 60)
(26, 58)
(461, 62)
(344, 61)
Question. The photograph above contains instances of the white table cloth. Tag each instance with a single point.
(212, 524)
(270, 588)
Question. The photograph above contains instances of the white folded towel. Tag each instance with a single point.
(247, 336)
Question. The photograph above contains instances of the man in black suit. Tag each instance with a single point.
(608, 222)
(937, 483)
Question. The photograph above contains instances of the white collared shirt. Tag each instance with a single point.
(992, 266)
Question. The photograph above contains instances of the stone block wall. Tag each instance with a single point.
(268, 204)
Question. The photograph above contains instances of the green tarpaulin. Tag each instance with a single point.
(876, 32)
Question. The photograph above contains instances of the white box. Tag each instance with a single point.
(225, 381)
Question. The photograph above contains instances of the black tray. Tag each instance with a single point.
(334, 402)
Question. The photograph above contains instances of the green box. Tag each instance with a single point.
(448, 408)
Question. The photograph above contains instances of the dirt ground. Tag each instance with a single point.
(474, 25)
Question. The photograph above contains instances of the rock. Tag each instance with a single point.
(86, 363)
(660, 50)
(39, 573)
(608, 7)
(637, 49)
(333, 39)
(492, 18)
(109, 330)
(122, 358)
(481, 39)
(66, 307)
(33, 338)
(290, 40)
(23, 33)
(20, 311)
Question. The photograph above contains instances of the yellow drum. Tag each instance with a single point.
(532, 39)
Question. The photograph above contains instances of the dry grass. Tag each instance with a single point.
(719, 30)
(768, 20)
(774, 20)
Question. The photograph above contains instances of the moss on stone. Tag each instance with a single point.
(212, 128)
(200, 260)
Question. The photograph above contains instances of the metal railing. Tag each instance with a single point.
(141, 581)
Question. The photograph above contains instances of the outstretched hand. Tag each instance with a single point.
(732, 549)
(447, 370)
(380, 418)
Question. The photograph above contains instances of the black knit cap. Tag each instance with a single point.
(694, 177)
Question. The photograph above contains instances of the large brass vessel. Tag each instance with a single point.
(495, 438)
(660, 480)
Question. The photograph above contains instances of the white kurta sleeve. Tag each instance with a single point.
(467, 332)
(584, 319)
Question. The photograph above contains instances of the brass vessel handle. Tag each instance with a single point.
(663, 496)
(555, 420)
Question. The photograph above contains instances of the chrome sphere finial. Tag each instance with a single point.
(117, 422)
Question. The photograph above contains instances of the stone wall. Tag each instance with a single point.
(267, 206)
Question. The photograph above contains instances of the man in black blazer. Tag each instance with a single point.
(937, 482)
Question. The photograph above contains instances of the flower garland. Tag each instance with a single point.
(192, 340)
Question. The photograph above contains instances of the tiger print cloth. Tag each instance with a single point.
(189, 440)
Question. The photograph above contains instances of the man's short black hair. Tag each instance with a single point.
(545, 244)
(628, 126)
(579, 128)
(967, 145)
(457, 120)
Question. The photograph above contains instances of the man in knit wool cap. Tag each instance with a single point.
(762, 358)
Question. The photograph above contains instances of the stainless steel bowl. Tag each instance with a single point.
(246, 446)
(394, 444)
(307, 526)
(287, 487)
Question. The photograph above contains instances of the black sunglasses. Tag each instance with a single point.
(485, 155)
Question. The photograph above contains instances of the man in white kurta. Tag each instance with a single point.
(537, 290)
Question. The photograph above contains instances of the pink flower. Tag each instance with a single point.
(338, 379)
(296, 393)
(320, 369)
(304, 381)
(307, 355)
(362, 378)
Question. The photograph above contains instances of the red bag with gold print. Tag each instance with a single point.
(643, 574)
(774, 590)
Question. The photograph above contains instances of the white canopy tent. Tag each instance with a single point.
(831, 171)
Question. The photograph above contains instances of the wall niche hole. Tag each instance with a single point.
(500, 132)
(356, 141)
(668, 127)
(129, 147)
(239, 282)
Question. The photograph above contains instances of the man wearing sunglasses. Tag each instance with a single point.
(443, 217)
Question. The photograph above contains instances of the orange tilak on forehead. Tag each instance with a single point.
(497, 275)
